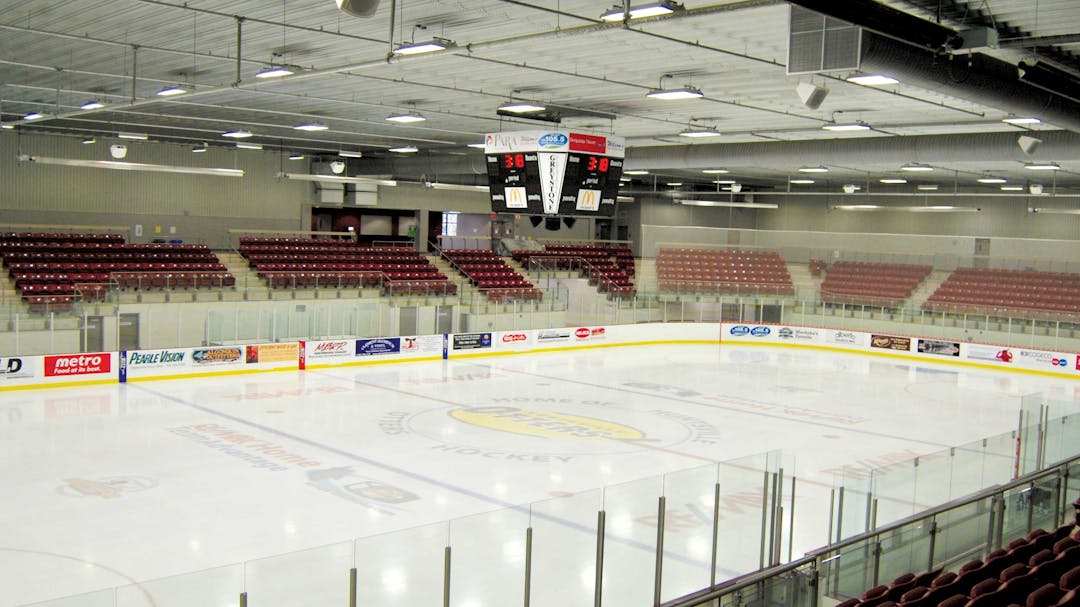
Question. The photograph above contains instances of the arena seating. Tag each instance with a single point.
(1040, 570)
(990, 291)
(489, 273)
(309, 263)
(609, 267)
(878, 284)
(722, 271)
(52, 271)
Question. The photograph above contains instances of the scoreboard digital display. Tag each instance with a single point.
(554, 173)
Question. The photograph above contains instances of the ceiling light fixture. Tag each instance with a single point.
(6, 126)
(296, 156)
(248, 146)
(852, 126)
(641, 11)
(893, 180)
(199, 149)
(636, 172)
(311, 127)
(915, 167)
(873, 80)
(405, 118)
(350, 154)
(729, 204)
(817, 169)
(715, 171)
(133, 166)
(237, 134)
(478, 146)
(336, 179)
(674, 184)
(927, 187)
(1021, 120)
(1042, 166)
(89, 140)
(430, 46)
(686, 92)
(172, 91)
(992, 180)
(274, 71)
(802, 181)
(134, 136)
(33, 116)
(1053, 211)
(940, 208)
(724, 181)
(405, 149)
(699, 132)
(93, 104)
(521, 107)
(1012, 188)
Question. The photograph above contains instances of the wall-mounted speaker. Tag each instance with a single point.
(358, 8)
(569, 222)
(536, 220)
(812, 96)
(552, 223)
(1028, 144)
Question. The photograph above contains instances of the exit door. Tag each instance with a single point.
(93, 334)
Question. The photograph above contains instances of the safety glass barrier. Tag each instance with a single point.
(101, 598)
(851, 509)
(318, 576)
(402, 568)
(488, 556)
(564, 549)
(691, 513)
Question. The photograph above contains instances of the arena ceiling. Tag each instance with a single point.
(56, 57)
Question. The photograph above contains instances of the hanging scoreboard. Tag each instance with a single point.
(554, 172)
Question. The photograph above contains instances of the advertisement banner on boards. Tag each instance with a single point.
(471, 341)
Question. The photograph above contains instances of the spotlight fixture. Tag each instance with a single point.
(521, 107)
(686, 92)
(237, 134)
(350, 154)
(916, 167)
(1021, 120)
(1042, 166)
(851, 126)
(893, 180)
(405, 149)
(200, 149)
(274, 71)
(698, 132)
(990, 179)
(817, 169)
(641, 11)
(133, 136)
(873, 80)
(240, 145)
(93, 104)
(311, 127)
(405, 118)
(715, 171)
(33, 116)
(418, 48)
(173, 90)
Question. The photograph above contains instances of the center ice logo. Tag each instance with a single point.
(545, 424)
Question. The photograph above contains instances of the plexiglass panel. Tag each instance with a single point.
(219, 586)
(630, 542)
(488, 566)
(402, 568)
(688, 531)
(564, 550)
(319, 576)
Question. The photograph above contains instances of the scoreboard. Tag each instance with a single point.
(554, 172)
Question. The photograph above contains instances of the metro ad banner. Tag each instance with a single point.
(57, 369)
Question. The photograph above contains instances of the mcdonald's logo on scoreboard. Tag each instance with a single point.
(516, 198)
(588, 200)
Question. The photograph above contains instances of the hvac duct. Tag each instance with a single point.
(975, 77)
(888, 21)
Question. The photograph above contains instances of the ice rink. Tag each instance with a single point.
(113, 485)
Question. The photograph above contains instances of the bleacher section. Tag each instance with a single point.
(1040, 570)
(298, 263)
(869, 283)
(609, 267)
(990, 291)
(723, 271)
(489, 273)
(52, 271)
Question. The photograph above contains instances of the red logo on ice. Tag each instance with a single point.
(1004, 356)
(77, 364)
